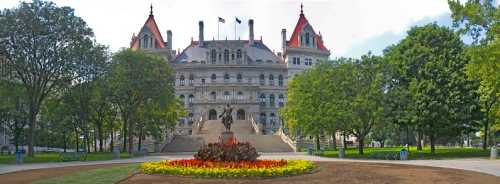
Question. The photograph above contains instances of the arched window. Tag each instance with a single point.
(262, 99)
(226, 56)
(226, 77)
(191, 79)
(271, 80)
(238, 54)
(262, 79)
(263, 118)
(239, 78)
(213, 56)
(213, 95)
(272, 119)
(227, 95)
(214, 78)
(280, 80)
(182, 80)
(271, 100)
(190, 98)
(281, 100)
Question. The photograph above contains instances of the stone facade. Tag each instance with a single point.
(243, 73)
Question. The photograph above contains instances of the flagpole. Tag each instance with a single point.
(218, 22)
(234, 29)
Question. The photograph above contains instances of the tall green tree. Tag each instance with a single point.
(431, 61)
(481, 21)
(137, 80)
(43, 43)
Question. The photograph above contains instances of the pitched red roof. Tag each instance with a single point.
(153, 28)
(294, 40)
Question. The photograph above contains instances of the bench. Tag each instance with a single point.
(73, 156)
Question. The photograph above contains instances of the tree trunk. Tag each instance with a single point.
(31, 130)
(382, 144)
(87, 141)
(344, 141)
(111, 143)
(433, 148)
(318, 146)
(486, 131)
(124, 133)
(101, 137)
(361, 145)
(140, 141)
(419, 140)
(334, 141)
(130, 137)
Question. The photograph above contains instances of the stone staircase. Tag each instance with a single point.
(243, 131)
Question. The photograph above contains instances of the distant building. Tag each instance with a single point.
(243, 73)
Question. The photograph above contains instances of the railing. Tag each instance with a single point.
(254, 125)
(287, 139)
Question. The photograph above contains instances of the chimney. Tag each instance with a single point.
(200, 37)
(169, 40)
(250, 25)
(283, 40)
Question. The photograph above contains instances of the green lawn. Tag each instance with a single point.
(96, 176)
(55, 157)
(384, 153)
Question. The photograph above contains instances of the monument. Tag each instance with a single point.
(227, 137)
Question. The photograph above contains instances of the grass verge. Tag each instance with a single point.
(55, 157)
(425, 154)
(96, 176)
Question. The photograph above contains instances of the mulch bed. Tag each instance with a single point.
(341, 172)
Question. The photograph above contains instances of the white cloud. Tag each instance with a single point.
(343, 23)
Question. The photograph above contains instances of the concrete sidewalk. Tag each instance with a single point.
(479, 165)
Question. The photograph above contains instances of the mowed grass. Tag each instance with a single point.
(55, 157)
(441, 153)
(96, 176)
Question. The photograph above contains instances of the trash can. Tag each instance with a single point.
(116, 152)
(341, 152)
(493, 153)
(19, 156)
(403, 154)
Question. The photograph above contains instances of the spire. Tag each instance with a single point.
(151, 9)
(301, 9)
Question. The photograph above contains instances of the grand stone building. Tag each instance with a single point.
(244, 73)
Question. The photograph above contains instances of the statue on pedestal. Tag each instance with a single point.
(227, 117)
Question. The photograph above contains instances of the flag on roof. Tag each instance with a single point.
(222, 20)
(238, 20)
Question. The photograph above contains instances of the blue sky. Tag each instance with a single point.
(350, 28)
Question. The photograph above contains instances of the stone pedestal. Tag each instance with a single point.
(227, 138)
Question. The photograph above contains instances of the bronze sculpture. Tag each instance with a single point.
(227, 117)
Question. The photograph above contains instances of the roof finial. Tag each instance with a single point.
(301, 8)
(151, 9)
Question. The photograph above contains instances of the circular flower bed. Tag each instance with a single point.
(258, 168)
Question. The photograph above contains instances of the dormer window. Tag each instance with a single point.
(307, 39)
(145, 41)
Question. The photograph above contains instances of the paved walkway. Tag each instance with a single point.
(478, 165)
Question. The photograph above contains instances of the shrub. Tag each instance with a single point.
(259, 168)
(233, 152)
